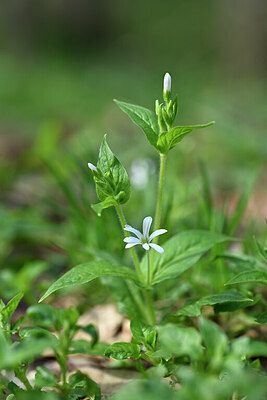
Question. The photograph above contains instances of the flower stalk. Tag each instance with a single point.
(150, 316)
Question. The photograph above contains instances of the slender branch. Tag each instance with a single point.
(159, 204)
(160, 193)
(148, 270)
(133, 252)
(150, 308)
(22, 376)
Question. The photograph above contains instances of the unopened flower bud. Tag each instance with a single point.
(92, 167)
(167, 82)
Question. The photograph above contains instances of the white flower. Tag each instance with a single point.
(92, 167)
(167, 82)
(144, 238)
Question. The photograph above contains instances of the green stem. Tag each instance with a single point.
(235, 396)
(149, 277)
(133, 252)
(150, 309)
(160, 193)
(150, 306)
(21, 375)
(159, 202)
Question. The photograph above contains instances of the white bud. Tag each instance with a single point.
(92, 167)
(167, 82)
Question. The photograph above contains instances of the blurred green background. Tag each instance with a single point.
(61, 64)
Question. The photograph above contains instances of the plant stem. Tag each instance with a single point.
(235, 396)
(21, 375)
(133, 252)
(148, 270)
(150, 308)
(159, 201)
(160, 193)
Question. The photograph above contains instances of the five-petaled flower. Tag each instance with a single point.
(144, 238)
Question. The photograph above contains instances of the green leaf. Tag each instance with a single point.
(110, 166)
(236, 305)
(144, 118)
(180, 341)
(147, 389)
(247, 347)
(161, 354)
(214, 339)
(122, 351)
(87, 272)
(37, 395)
(249, 276)
(169, 139)
(42, 315)
(262, 319)
(126, 295)
(108, 202)
(30, 347)
(143, 333)
(82, 346)
(113, 186)
(190, 310)
(7, 311)
(261, 250)
(66, 318)
(244, 261)
(92, 331)
(182, 251)
(32, 332)
(229, 298)
(44, 377)
(82, 386)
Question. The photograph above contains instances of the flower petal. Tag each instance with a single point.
(157, 233)
(128, 245)
(156, 247)
(129, 228)
(132, 239)
(145, 246)
(146, 226)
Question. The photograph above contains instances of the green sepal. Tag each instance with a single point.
(161, 121)
(169, 139)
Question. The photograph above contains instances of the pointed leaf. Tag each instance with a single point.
(229, 297)
(7, 311)
(143, 333)
(122, 351)
(99, 207)
(214, 338)
(182, 251)
(262, 319)
(87, 272)
(169, 139)
(249, 276)
(144, 118)
(44, 377)
(180, 341)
